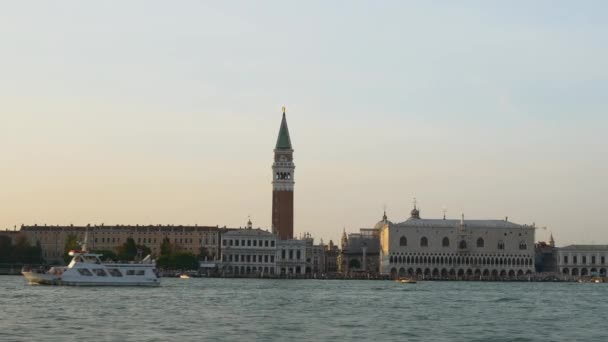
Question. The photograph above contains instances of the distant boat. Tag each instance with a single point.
(184, 276)
(87, 269)
(406, 281)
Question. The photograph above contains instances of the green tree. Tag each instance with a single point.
(71, 243)
(6, 248)
(128, 250)
(185, 261)
(145, 250)
(166, 248)
(171, 258)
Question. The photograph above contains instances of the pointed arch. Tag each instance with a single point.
(445, 242)
(424, 242)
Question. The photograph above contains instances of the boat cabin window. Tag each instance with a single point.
(130, 272)
(114, 272)
(140, 272)
(85, 272)
(100, 272)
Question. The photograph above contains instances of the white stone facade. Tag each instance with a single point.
(291, 257)
(248, 252)
(582, 260)
(456, 248)
(300, 257)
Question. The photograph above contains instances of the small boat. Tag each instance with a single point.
(184, 276)
(406, 281)
(87, 269)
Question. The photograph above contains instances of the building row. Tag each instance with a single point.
(416, 247)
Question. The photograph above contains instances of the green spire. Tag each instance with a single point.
(283, 141)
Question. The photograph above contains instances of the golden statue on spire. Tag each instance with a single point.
(284, 109)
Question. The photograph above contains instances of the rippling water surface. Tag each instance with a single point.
(305, 310)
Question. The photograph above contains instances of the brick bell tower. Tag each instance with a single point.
(282, 184)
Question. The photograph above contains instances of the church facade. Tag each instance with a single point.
(444, 248)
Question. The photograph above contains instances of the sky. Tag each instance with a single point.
(165, 112)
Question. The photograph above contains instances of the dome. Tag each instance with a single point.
(382, 222)
(415, 213)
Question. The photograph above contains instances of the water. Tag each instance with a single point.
(305, 310)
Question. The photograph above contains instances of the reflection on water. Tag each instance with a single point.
(304, 310)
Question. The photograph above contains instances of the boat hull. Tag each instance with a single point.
(46, 279)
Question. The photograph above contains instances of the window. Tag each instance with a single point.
(242, 242)
(140, 272)
(266, 243)
(272, 258)
(290, 254)
(255, 243)
(584, 259)
(236, 242)
(100, 272)
(224, 242)
(114, 272)
(565, 259)
(522, 245)
(85, 272)
(272, 243)
(403, 241)
(249, 243)
(575, 260)
(593, 259)
(424, 242)
(462, 244)
(480, 243)
(265, 258)
(282, 254)
(501, 245)
(445, 242)
(298, 256)
(603, 259)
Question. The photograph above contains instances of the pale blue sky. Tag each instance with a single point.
(167, 112)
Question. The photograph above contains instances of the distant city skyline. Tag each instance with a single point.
(161, 113)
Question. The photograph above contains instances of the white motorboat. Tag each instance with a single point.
(87, 269)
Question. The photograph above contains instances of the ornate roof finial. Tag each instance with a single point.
(384, 217)
(462, 218)
(283, 110)
(444, 209)
(249, 223)
(415, 213)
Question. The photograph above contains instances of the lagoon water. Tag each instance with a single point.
(305, 310)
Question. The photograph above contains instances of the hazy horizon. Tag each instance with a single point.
(151, 112)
